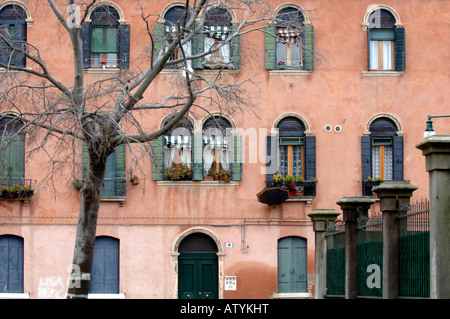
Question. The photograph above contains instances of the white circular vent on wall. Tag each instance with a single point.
(328, 128)
(338, 128)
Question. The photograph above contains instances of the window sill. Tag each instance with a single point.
(296, 295)
(14, 295)
(102, 71)
(119, 199)
(196, 183)
(307, 199)
(217, 71)
(382, 73)
(290, 72)
(107, 296)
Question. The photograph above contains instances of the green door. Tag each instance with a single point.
(197, 276)
(292, 266)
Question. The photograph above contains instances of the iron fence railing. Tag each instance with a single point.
(335, 240)
(414, 252)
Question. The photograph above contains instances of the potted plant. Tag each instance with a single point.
(177, 172)
(134, 180)
(225, 176)
(77, 184)
(277, 180)
(103, 64)
(15, 191)
(210, 174)
(290, 185)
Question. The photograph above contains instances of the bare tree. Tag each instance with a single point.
(102, 115)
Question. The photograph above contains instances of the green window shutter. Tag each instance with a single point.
(104, 40)
(270, 47)
(158, 39)
(236, 50)
(398, 158)
(120, 170)
(124, 46)
(236, 167)
(12, 168)
(308, 47)
(198, 47)
(272, 144)
(399, 42)
(85, 156)
(197, 165)
(158, 159)
(86, 40)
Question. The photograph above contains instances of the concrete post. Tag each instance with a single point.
(321, 218)
(353, 208)
(394, 198)
(437, 152)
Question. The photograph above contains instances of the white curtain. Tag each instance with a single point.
(225, 157)
(208, 157)
(209, 43)
(387, 55)
(373, 51)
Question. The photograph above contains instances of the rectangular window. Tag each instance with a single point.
(382, 160)
(381, 55)
(177, 149)
(291, 156)
(104, 46)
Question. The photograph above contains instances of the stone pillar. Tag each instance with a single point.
(394, 198)
(436, 149)
(353, 208)
(321, 218)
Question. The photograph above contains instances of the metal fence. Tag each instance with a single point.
(414, 255)
(414, 252)
(370, 257)
(335, 238)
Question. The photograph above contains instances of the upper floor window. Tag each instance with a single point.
(13, 28)
(290, 41)
(386, 42)
(382, 153)
(177, 145)
(12, 151)
(106, 41)
(222, 51)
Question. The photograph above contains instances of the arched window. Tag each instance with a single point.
(382, 153)
(12, 151)
(177, 152)
(13, 27)
(386, 42)
(218, 141)
(291, 152)
(106, 41)
(290, 41)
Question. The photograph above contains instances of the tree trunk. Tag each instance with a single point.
(86, 230)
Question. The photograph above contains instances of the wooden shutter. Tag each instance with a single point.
(124, 46)
(4, 49)
(11, 264)
(366, 162)
(397, 158)
(270, 47)
(236, 50)
(158, 39)
(198, 47)
(310, 162)
(105, 266)
(120, 181)
(399, 42)
(20, 38)
(271, 159)
(292, 265)
(158, 158)
(308, 47)
(85, 35)
(197, 165)
(236, 166)
(12, 166)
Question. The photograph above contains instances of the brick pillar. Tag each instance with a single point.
(321, 218)
(394, 198)
(436, 149)
(353, 208)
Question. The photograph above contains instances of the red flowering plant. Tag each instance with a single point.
(15, 190)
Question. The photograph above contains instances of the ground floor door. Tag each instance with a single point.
(197, 276)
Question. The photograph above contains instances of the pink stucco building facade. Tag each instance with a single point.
(338, 103)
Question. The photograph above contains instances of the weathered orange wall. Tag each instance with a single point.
(335, 93)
